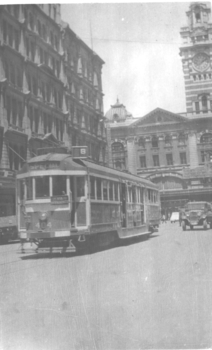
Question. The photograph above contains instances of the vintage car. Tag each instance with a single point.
(196, 214)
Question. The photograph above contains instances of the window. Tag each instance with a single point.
(92, 187)
(31, 21)
(169, 159)
(29, 188)
(204, 104)
(39, 28)
(16, 11)
(42, 187)
(116, 191)
(56, 42)
(183, 159)
(16, 40)
(36, 114)
(35, 87)
(55, 13)
(12, 74)
(27, 47)
(143, 161)
(168, 140)
(110, 190)
(58, 69)
(105, 189)
(206, 138)
(19, 78)
(154, 141)
(182, 139)
(20, 114)
(59, 185)
(44, 31)
(46, 58)
(197, 107)
(10, 32)
(141, 142)
(33, 51)
(99, 188)
(14, 111)
(51, 38)
(203, 156)
(80, 186)
(156, 160)
(197, 16)
(5, 31)
(41, 55)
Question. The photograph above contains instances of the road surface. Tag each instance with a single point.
(143, 294)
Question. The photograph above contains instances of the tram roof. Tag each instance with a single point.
(111, 172)
(68, 163)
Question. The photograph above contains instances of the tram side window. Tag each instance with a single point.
(22, 189)
(80, 186)
(110, 190)
(29, 188)
(129, 194)
(59, 185)
(99, 188)
(116, 191)
(134, 199)
(105, 191)
(141, 195)
(42, 187)
(92, 187)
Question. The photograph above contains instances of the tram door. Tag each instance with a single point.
(78, 212)
(123, 204)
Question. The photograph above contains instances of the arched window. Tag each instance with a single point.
(141, 142)
(206, 138)
(154, 141)
(168, 140)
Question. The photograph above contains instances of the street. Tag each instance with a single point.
(151, 293)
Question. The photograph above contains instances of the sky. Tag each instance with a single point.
(139, 43)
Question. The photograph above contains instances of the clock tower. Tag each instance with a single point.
(196, 53)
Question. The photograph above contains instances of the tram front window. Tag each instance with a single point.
(59, 185)
(80, 186)
(29, 188)
(42, 187)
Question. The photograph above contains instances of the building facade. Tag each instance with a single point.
(50, 90)
(173, 150)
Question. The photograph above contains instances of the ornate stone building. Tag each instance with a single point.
(50, 90)
(171, 149)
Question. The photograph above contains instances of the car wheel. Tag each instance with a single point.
(183, 225)
(205, 226)
(191, 227)
(210, 224)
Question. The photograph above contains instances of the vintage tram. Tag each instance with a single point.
(64, 203)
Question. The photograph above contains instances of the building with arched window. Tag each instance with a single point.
(174, 150)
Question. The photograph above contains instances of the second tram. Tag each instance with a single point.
(64, 202)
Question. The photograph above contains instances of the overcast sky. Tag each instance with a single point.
(139, 43)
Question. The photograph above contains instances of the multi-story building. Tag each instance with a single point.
(171, 149)
(50, 91)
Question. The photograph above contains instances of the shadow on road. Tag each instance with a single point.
(89, 249)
